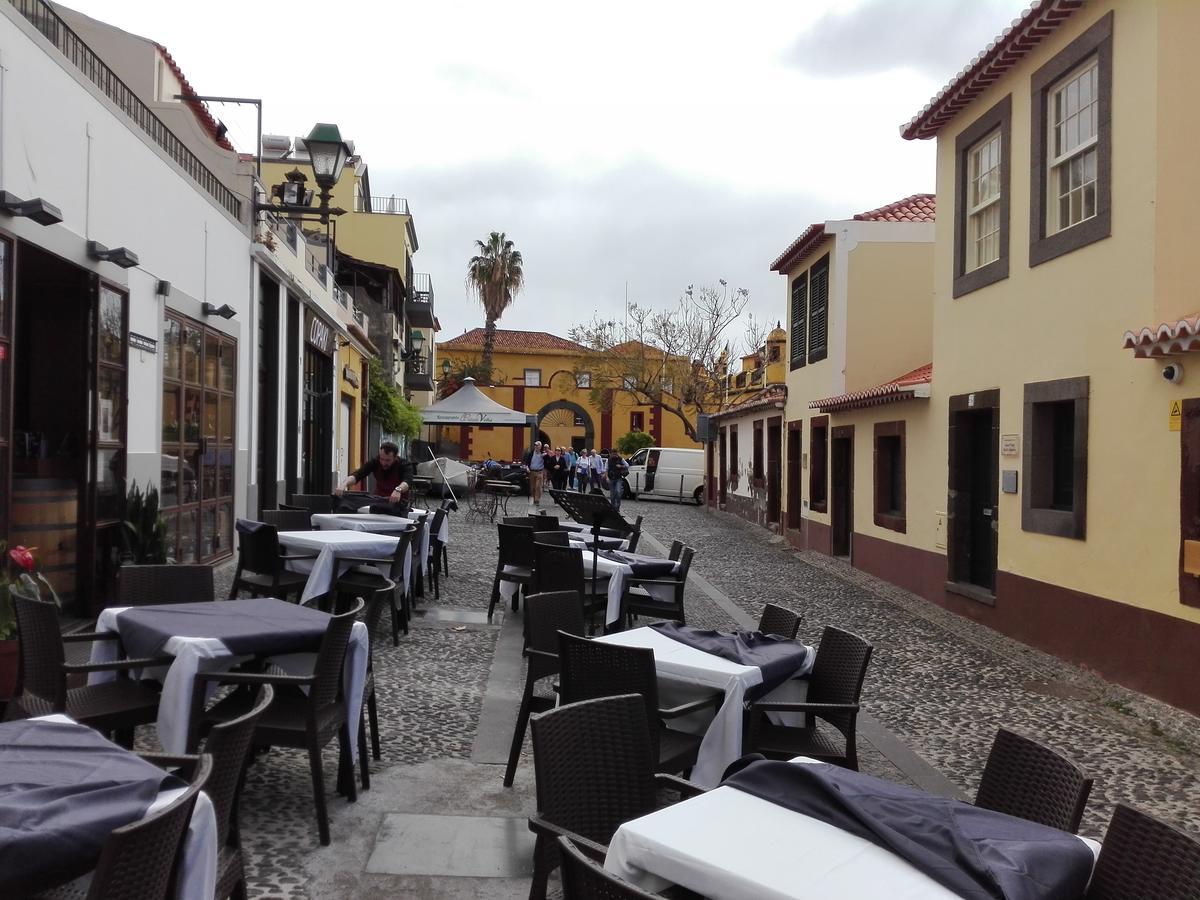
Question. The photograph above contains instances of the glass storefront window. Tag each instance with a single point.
(212, 359)
(208, 531)
(111, 411)
(210, 415)
(110, 483)
(172, 335)
(228, 367)
(191, 355)
(191, 416)
(187, 536)
(168, 485)
(225, 485)
(112, 326)
(227, 409)
(225, 526)
(170, 413)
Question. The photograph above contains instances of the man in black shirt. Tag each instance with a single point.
(390, 472)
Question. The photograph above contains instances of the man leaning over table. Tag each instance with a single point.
(390, 473)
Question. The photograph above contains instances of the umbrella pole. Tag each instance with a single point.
(445, 480)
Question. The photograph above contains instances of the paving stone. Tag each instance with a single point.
(464, 846)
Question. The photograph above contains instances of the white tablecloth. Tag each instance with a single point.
(198, 865)
(684, 672)
(617, 574)
(194, 655)
(329, 545)
(606, 543)
(729, 845)
(375, 523)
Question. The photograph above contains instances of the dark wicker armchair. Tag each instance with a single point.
(594, 765)
(295, 719)
(1144, 857)
(315, 503)
(779, 621)
(1026, 779)
(515, 555)
(591, 669)
(419, 565)
(288, 519)
(638, 601)
(437, 552)
(368, 582)
(545, 615)
(585, 879)
(153, 585)
(552, 538)
(117, 706)
(260, 564)
(635, 536)
(834, 687)
(561, 568)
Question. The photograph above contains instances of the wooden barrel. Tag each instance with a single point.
(45, 514)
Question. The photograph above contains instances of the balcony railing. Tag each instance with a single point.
(394, 206)
(418, 372)
(57, 32)
(315, 267)
(419, 307)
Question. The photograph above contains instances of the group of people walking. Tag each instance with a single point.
(582, 470)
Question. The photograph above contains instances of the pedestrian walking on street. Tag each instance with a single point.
(572, 458)
(599, 467)
(535, 462)
(617, 469)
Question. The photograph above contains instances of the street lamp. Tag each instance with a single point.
(293, 192)
(328, 154)
(446, 368)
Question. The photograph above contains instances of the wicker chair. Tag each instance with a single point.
(834, 687)
(417, 587)
(140, 860)
(526, 521)
(636, 535)
(676, 551)
(545, 615)
(594, 766)
(544, 522)
(116, 706)
(552, 538)
(367, 583)
(370, 720)
(590, 669)
(260, 565)
(288, 519)
(1025, 779)
(152, 585)
(585, 879)
(314, 503)
(437, 551)
(560, 568)
(295, 719)
(516, 553)
(779, 621)
(638, 601)
(1144, 857)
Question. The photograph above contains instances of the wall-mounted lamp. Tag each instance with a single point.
(118, 256)
(37, 209)
(416, 341)
(225, 311)
(163, 288)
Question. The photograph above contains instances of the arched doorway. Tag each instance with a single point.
(566, 424)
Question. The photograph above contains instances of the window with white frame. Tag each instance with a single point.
(1073, 110)
(583, 379)
(983, 209)
(533, 378)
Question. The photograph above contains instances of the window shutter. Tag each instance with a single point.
(818, 311)
(799, 320)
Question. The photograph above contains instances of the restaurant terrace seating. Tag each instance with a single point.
(639, 601)
(260, 564)
(585, 879)
(561, 568)
(514, 562)
(1023, 778)
(834, 687)
(366, 582)
(1144, 857)
(156, 584)
(288, 519)
(437, 551)
(779, 621)
(552, 538)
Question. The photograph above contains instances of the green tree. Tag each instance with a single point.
(495, 275)
(634, 441)
(394, 414)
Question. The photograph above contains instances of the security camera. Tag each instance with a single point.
(1173, 373)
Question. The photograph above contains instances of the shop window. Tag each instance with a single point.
(1054, 499)
(533, 378)
(637, 421)
(818, 453)
(890, 476)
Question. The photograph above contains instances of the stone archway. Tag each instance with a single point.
(559, 417)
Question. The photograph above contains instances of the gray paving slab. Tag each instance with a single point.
(462, 846)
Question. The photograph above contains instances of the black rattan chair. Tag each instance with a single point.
(367, 582)
(545, 615)
(1025, 779)
(117, 706)
(585, 879)
(638, 601)
(553, 538)
(288, 519)
(153, 585)
(636, 535)
(834, 687)
(437, 551)
(417, 588)
(295, 719)
(779, 621)
(544, 522)
(561, 568)
(1144, 857)
(590, 669)
(370, 720)
(594, 765)
(314, 503)
(676, 550)
(515, 555)
(260, 565)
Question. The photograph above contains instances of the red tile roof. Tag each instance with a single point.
(509, 341)
(917, 208)
(909, 385)
(799, 249)
(201, 111)
(1181, 336)
(764, 398)
(989, 65)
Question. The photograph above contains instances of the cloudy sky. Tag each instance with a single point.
(631, 146)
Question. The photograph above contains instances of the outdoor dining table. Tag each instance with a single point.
(619, 567)
(413, 515)
(214, 636)
(731, 845)
(684, 672)
(329, 546)
(605, 542)
(60, 796)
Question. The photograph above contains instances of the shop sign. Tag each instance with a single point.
(1010, 445)
(318, 333)
(350, 376)
(141, 342)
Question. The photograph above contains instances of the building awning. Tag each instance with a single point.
(772, 397)
(1165, 339)
(911, 385)
(471, 406)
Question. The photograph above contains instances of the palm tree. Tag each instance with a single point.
(494, 275)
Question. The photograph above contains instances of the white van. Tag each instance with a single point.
(667, 472)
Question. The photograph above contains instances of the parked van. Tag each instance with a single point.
(667, 472)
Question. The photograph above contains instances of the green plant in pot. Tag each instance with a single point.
(19, 572)
(144, 531)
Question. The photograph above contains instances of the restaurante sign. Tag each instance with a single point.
(318, 333)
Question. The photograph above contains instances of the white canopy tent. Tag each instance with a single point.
(471, 406)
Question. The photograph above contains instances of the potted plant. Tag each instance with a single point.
(144, 531)
(18, 566)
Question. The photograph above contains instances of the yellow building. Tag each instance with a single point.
(543, 374)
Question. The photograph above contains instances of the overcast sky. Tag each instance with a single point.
(648, 144)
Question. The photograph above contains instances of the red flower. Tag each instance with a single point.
(23, 557)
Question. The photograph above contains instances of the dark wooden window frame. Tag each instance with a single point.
(1096, 41)
(1070, 523)
(818, 464)
(885, 517)
(794, 474)
(637, 421)
(525, 376)
(799, 323)
(998, 117)
(7, 305)
(817, 353)
(758, 471)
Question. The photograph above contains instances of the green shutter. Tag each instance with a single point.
(818, 311)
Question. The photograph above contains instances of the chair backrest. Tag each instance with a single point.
(420, 526)
(288, 519)
(1144, 857)
(139, 860)
(685, 565)
(779, 621)
(676, 550)
(527, 521)
(594, 765)
(296, 508)
(555, 538)
(838, 673)
(41, 670)
(590, 669)
(258, 547)
(439, 516)
(585, 879)
(544, 522)
(557, 568)
(516, 545)
(1024, 778)
(151, 585)
(327, 671)
(406, 540)
(634, 539)
(547, 614)
(228, 745)
(318, 503)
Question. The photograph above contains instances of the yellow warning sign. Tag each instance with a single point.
(1176, 418)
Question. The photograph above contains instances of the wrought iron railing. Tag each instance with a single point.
(55, 30)
(395, 206)
(422, 288)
